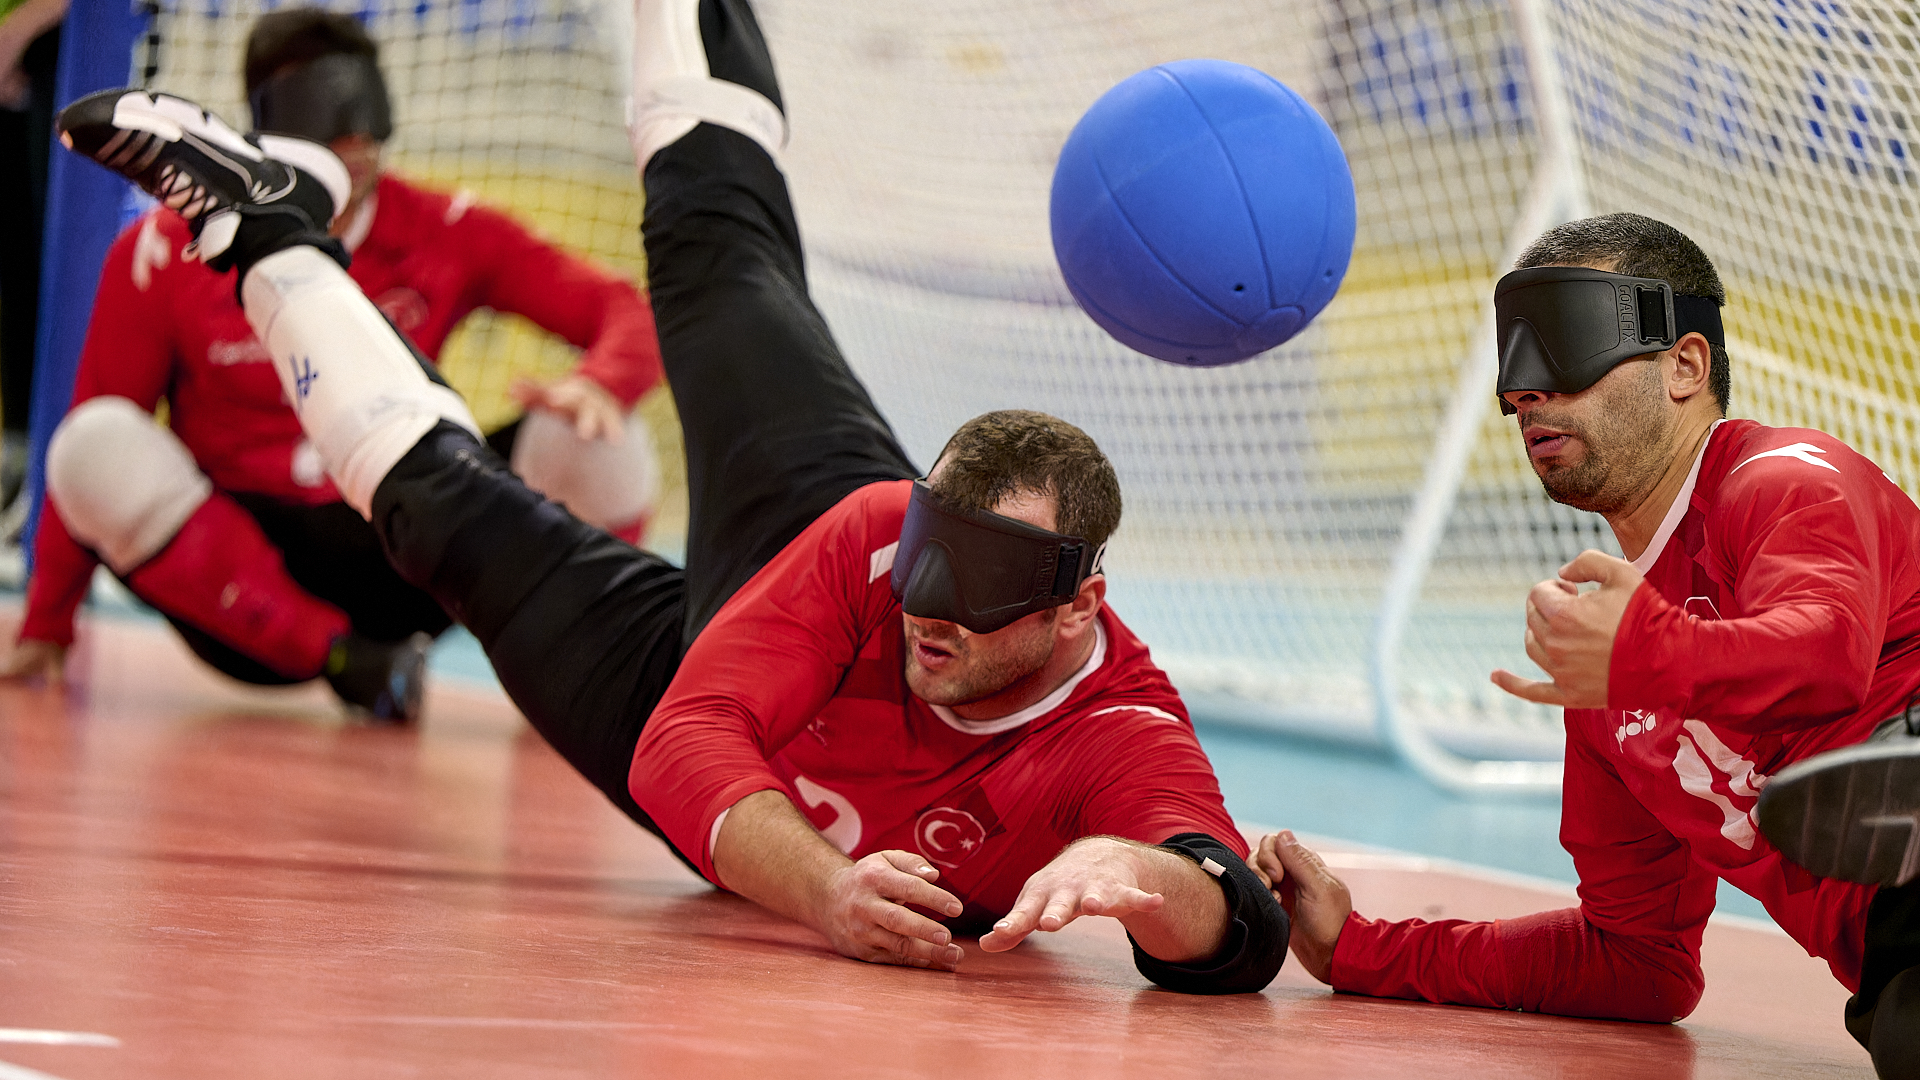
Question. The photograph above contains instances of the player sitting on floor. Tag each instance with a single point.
(225, 521)
(1771, 611)
(1003, 756)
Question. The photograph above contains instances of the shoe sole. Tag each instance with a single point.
(1851, 814)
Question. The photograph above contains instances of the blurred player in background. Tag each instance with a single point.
(226, 523)
(1770, 616)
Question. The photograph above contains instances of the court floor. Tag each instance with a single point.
(198, 880)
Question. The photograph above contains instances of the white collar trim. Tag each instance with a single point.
(1681, 504)
(1039, 708)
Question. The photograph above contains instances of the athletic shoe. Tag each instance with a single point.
(243, 199)
(386, 679)
(1852, 813)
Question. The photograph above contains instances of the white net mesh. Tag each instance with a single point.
(1265, 501)
(520, 101)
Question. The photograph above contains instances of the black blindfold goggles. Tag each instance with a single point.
(981, 570)
(336, 95)
(1563, 327)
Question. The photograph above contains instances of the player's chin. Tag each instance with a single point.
(932, 689)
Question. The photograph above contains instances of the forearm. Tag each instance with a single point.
(1220, 932)
(1554, 962)
(62, 573)
(1796, 664)
(1193, 922)
(769, 853)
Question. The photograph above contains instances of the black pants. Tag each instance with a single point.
(332, 553)
(584, 631)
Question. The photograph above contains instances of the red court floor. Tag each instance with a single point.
(202, 881)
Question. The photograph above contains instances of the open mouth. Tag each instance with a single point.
(1544, 442)
(929, 655)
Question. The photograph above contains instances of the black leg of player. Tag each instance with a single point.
(777, 427)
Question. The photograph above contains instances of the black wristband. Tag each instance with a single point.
(1257, 928)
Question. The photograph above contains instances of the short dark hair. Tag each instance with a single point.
(300, 35)
(1638, 246)
(997, 454)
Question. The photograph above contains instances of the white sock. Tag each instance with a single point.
(673, 91)
(355, 386)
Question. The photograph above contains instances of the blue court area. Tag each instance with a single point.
(1331, 790)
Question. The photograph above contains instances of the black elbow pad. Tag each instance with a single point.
(1257, 928)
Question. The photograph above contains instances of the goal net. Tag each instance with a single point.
(1271, 505)
(1336, 537)
(521, 102)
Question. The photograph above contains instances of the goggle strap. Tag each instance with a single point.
(1698, 315)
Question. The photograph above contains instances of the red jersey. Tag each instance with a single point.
(1779, 618)
(165, 325)
(798, 685)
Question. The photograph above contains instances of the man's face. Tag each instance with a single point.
(948, 664)
(1599, 449)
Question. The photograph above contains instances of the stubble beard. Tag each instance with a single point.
(1626, 450)
(975, 674)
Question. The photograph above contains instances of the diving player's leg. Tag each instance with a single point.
(584, 631)
(777, 427)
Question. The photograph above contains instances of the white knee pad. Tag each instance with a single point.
(604, 485)
(123, 484)
(673, 91)
(356, 387)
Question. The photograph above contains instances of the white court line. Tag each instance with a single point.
(56, 1038)
(21, 1072)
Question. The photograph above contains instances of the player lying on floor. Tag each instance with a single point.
(1002, 756)
(1770, 613)
(224, 521)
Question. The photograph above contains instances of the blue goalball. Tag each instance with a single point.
(1202, 212)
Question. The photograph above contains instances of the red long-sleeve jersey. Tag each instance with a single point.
(164, 325)
(799, 686)
(1779, 618)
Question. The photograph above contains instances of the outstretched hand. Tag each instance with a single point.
(1317, 902)
(593, 412)
(1095, 876)
(1570, 634)
(33, 659)
(866, 915)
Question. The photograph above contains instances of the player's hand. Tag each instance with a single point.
(866, 915)
(34, 659)
(1095, 876)
(593, 412)
(1317, 902)
(1570, 634)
